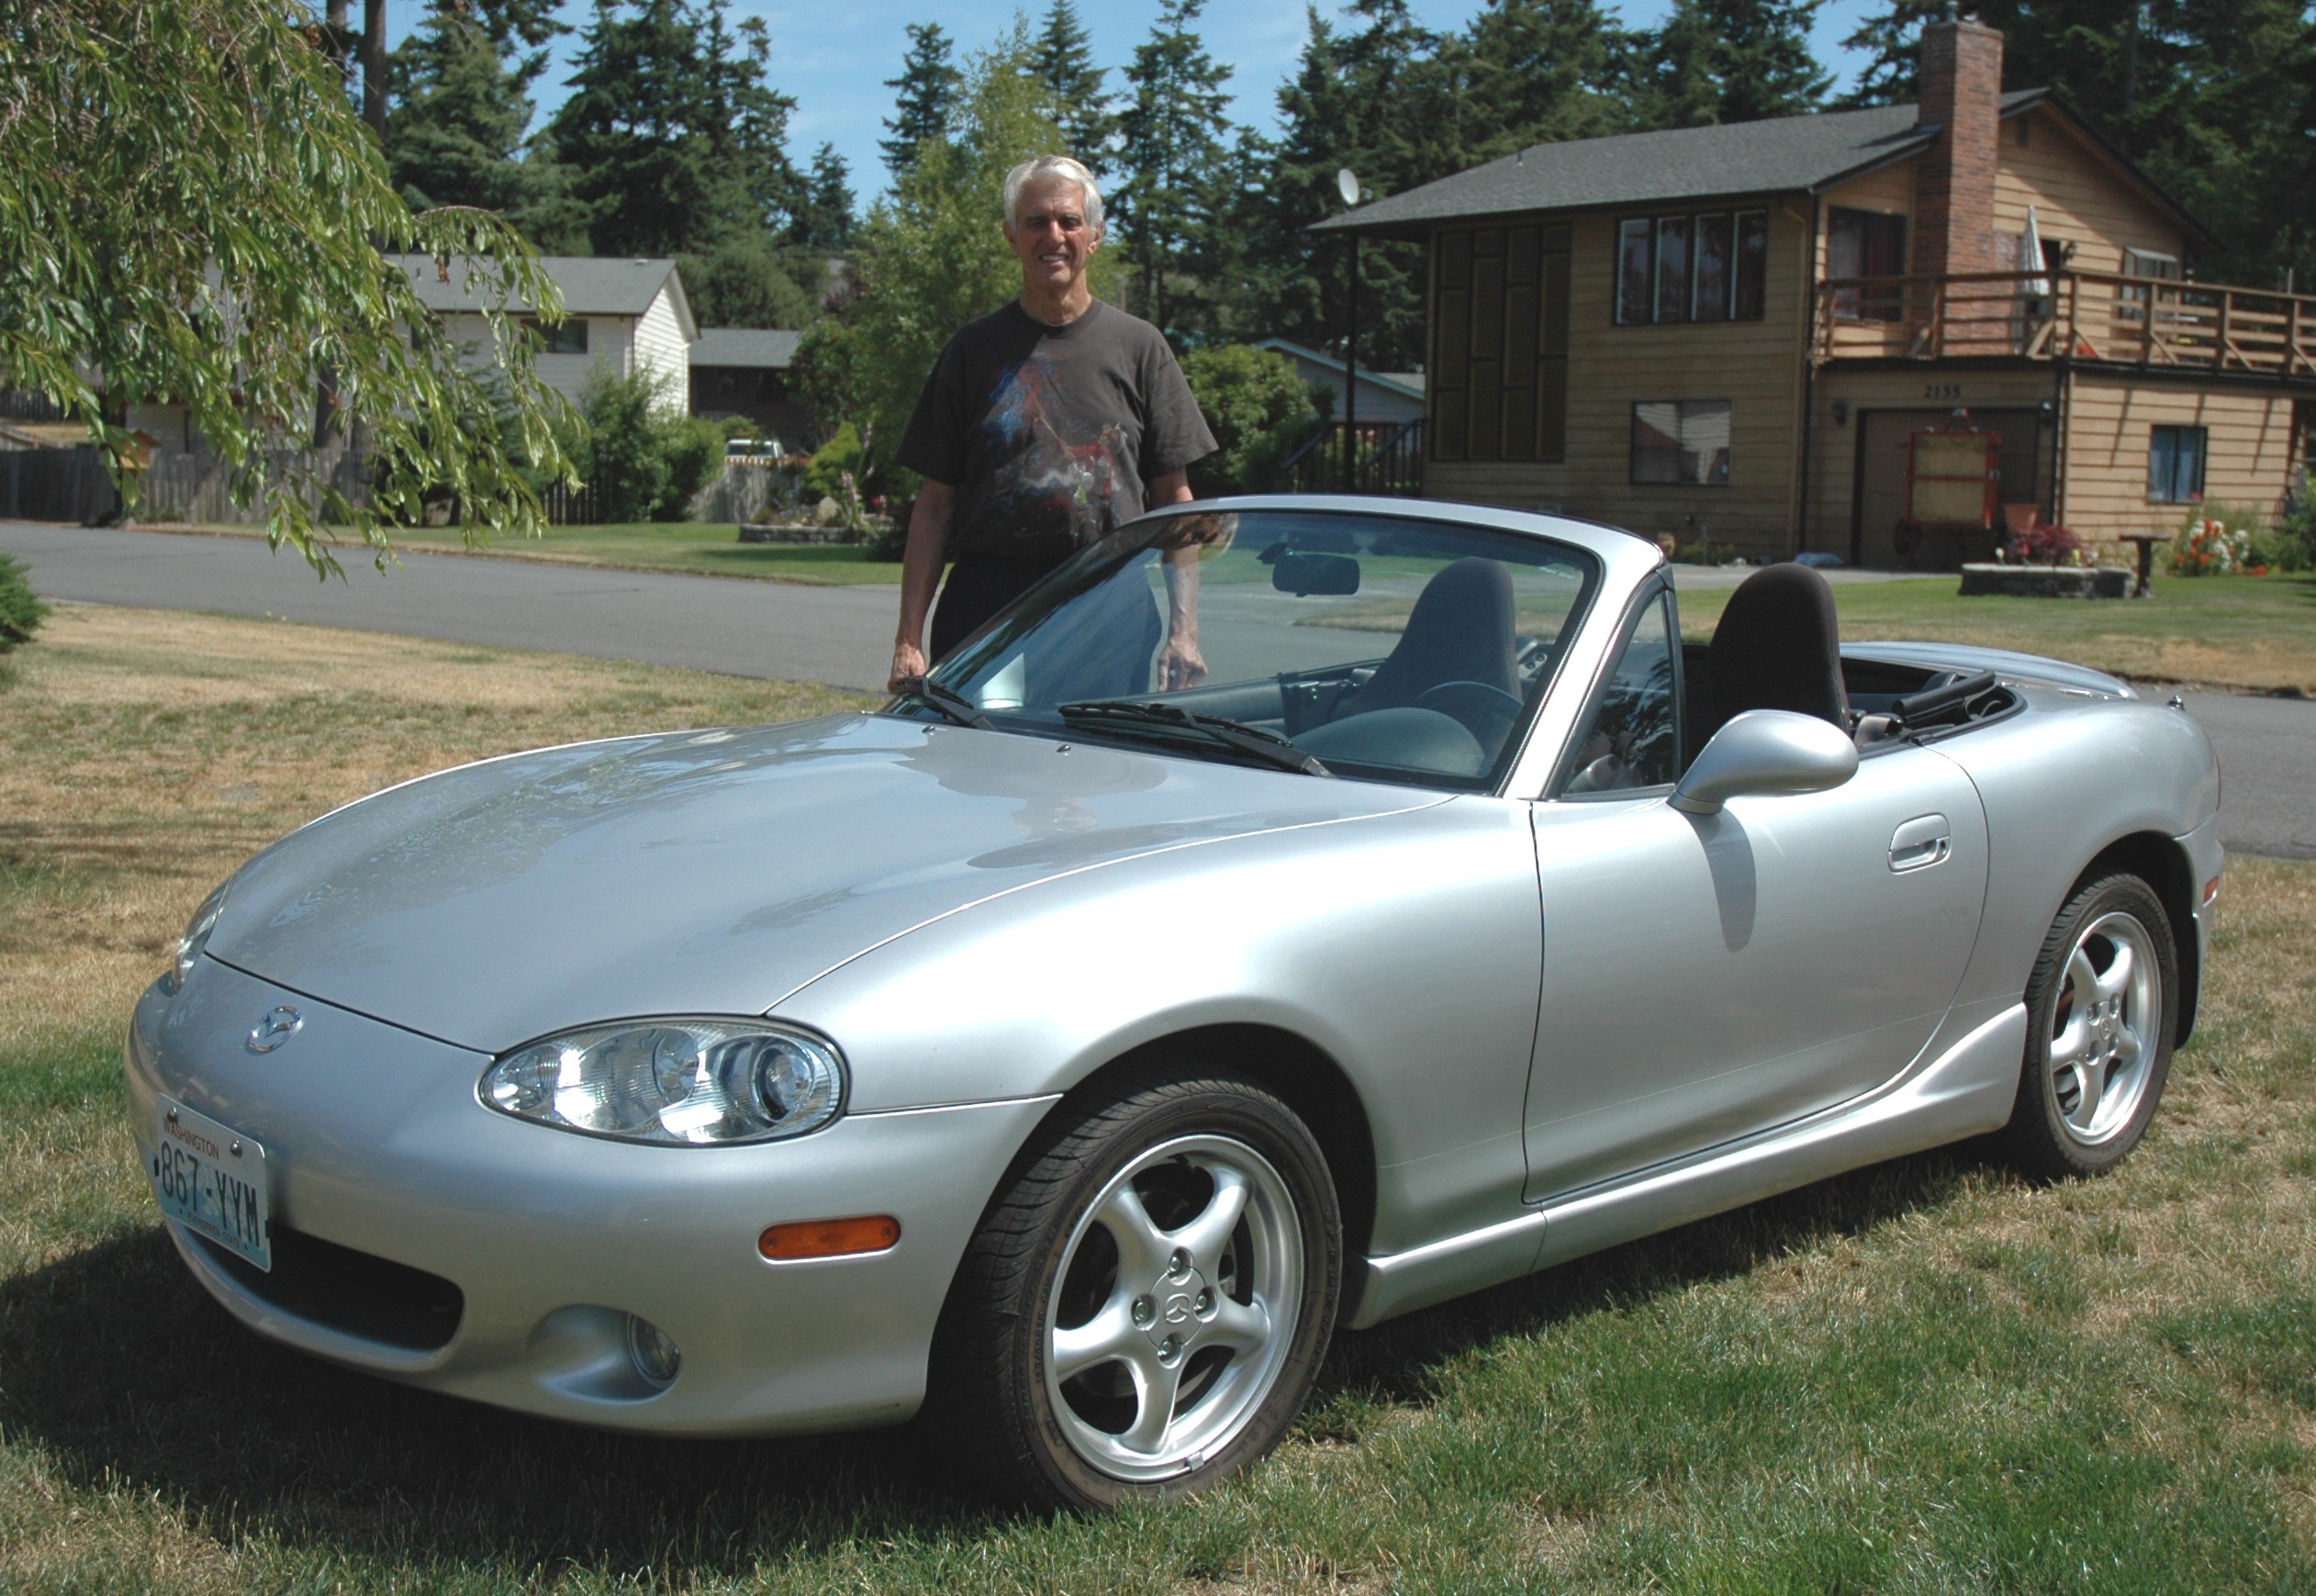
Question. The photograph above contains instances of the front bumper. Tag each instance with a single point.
(374, 1141)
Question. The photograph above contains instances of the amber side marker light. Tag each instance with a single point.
(828, 1238)
(2210, 891)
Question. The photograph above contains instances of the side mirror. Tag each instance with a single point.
(1301, 574)
(1766, 752)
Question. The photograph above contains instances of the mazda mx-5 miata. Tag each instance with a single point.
(1074, 1051)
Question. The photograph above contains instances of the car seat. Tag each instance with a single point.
(1459, 630)
(1778, 647)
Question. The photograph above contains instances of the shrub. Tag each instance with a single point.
(643, 463)
(2207, 546)
(20, 608)
(2046, 546)
(2294, 538)
(840, 457)
(1704, 551)
(1260, 411)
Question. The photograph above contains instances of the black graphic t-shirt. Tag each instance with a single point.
(1050, 434)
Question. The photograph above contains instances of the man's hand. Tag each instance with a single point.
(1180, 665)
(908, 666)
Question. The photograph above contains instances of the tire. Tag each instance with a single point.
(1145, 1308)
(2102, 1007)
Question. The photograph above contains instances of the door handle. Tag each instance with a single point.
(1922, 842)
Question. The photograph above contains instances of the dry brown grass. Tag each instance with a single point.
(150, 752)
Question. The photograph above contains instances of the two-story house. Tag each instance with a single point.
(1732, 332)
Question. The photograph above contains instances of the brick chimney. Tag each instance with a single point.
(1961, 71)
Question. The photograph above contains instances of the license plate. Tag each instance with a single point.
(211, 1179)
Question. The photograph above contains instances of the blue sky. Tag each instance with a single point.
(834, 55)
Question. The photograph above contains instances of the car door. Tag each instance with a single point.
(1709, 977)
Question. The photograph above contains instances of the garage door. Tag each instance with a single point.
(1881, 499)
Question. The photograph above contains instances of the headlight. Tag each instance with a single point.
(676, 1082)
(196, 938)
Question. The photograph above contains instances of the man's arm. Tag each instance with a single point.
(920, 575)
(1180, 665)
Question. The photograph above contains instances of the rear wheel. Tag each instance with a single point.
(2101, 1009)
(1144, 1311)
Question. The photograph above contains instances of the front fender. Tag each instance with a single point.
(1405, 947)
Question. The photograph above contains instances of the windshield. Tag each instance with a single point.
(1363, 645)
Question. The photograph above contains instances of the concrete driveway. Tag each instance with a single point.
(839, 635)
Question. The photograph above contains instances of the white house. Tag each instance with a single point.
(630, 315)
(1384, 397)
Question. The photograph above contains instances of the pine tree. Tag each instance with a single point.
(1735, 61)
(928, 86)
(673, 137)
(460, 107)
(1061, 61)
(824, 222)
(1169, 150)
(1540, 71)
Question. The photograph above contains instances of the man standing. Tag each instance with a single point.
(1044, 426)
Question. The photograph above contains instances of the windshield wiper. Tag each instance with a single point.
(1251, 741)
(949, 702)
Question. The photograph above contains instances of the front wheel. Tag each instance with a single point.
(2102, 1009)
(1145, 1308)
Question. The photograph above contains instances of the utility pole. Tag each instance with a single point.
(1347, 185)
(374, 64)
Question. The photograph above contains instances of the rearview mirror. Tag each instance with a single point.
(1303, 575)
(1766, 752)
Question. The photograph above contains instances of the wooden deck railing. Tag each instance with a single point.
(2096, 316)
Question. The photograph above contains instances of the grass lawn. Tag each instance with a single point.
(1927, 1376)
(700, 548)
(2255, 632)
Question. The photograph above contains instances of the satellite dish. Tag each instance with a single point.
(1348, 186)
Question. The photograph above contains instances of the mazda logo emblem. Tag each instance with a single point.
(1178, 1308)
(278, 1027)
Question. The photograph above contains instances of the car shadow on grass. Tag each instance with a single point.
(126, 1375)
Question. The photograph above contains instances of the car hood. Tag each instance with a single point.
(707, 872)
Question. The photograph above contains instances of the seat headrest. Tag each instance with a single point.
(1779, 647)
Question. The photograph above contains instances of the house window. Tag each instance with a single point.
(1864, 243)
(2131, 303)
(1691, 268)
(568, 336)
(1681, 441)
(2175, 465)
(1499, 366)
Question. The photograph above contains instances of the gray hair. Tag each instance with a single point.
(1060, 166)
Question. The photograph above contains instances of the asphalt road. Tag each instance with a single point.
(839, 635)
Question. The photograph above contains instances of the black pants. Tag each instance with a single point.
(1106, 653)
(977, 588)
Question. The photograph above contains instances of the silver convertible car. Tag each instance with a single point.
(1073, 1058)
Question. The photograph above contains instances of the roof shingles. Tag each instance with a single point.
(1782, 155)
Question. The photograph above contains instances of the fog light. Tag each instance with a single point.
(653, 1351)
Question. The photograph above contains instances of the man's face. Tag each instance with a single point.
(1050, 233)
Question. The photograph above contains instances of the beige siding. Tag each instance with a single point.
(1756, 366)
(2078, 197)
(2109, 426)
(660, 348)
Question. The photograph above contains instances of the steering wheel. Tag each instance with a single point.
(1488, 713)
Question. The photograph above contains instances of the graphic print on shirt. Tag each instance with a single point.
(1051, 489)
